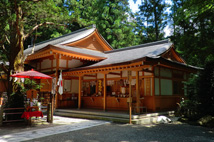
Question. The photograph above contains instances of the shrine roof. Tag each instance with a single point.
(82, 51)
(71, 37)
(144, 52)
(152, 50)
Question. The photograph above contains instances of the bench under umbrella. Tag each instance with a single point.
(32, 74)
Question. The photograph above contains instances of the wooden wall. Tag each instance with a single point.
(167, 102)
(169, 88)
(67, 100)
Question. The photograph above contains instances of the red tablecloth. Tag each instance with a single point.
(27, 115)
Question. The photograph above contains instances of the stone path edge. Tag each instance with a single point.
(39, 133)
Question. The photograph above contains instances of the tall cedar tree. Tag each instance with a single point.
(152, 17)
(194, 30)
(113, 18)
(19, 19)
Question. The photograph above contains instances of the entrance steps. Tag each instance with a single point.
(118, 117)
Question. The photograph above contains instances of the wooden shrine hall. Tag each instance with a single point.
(96, 76)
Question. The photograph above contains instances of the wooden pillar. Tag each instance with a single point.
(153, 89)
(80, 92)
(57, 78)
(143, 86)
(51, 107)
(104, 91)
(137, 93)
(130, 96)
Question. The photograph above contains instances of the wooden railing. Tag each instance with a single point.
(10, 113)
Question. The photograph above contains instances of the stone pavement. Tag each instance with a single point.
(60, 125)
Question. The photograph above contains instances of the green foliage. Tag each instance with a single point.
(152, 19)
(113, 19)
(22, 19)
(46, 33)
(28, 85)
(188, 107)
(194, 30)
(200, 96)
(191, 87)
(206, 90)
(17, 98)
(116, 23)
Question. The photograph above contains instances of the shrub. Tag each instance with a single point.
(206, 90)
(188, 109)
(200, 94)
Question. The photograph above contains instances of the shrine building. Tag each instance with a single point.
(96, 76)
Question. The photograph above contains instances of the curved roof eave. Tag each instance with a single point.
(133, 54)
(71, 37)
(104, 40)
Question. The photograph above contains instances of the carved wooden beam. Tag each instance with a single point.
(114, 73)
(89, 75)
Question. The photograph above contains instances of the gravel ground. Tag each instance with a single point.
(10, 128)
(176, 132)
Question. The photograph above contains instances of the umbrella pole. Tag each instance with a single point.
(31, 92)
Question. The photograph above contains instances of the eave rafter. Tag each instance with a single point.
(173, 56)
(170, 65)
(51, 50)
(114, 73)
(142, 65)
(134, 66)
(89, 75)
(77, 55)
(39, 55)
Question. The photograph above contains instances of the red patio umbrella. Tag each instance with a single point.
(31, 74)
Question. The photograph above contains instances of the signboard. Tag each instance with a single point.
(100, 87)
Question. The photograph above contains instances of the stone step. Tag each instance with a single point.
(97, 113)
(148, 115)
(142, 119)
(86, 116)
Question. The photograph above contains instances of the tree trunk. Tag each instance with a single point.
(16, 63)
(156, 24)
